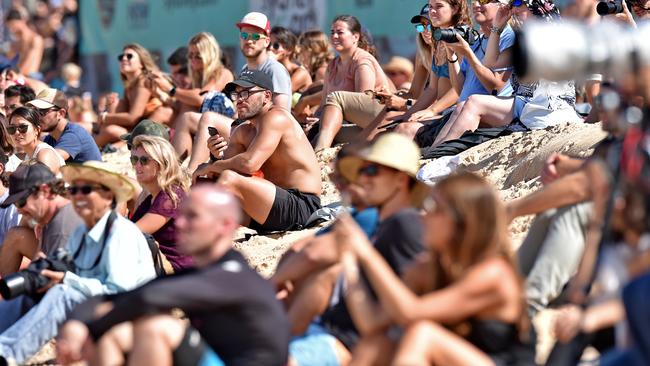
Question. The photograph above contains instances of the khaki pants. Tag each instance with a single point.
(357, 108)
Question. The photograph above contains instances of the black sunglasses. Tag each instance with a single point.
(23, 201)
(86, 189)
(371, 170)
(11, 129)
(121, 56)
(276, 45)
(144, 160)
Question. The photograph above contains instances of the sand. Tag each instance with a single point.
(512, 163)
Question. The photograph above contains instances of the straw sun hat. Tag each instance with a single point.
(391, 150)
(101, 173)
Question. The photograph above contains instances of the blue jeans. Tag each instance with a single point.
(14, 309)
(29, 334)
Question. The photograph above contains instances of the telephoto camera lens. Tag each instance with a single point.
(606, 7)
(447, 35)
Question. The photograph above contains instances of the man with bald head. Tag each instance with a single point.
(235, 318)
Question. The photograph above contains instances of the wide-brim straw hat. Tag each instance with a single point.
(101, 173)
(392, 150)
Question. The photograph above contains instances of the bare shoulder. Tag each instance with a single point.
(495, 270)
(241, 131)
(278, 117)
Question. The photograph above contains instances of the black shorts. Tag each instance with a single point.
(191, 349)
(427, 134)
(290, 211)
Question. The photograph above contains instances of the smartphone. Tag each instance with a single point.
(213, 131)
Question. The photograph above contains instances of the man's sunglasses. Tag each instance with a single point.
(23, 201)
(422, 27)
(254, 36)
(371, 170)
(144, 160)
(121, 56)
(86, 189)
(23, 128)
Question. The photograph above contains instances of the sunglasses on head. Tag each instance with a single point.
(86, 189)
(144, 160)
(371, 170)
(254, 36)
(121, 56)
(422, 27)
(11, 129)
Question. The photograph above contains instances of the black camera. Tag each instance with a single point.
(606, 7)
(29, 280)
(448, 35)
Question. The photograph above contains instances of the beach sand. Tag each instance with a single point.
(512, 163)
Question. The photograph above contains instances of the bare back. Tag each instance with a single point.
(292, 162)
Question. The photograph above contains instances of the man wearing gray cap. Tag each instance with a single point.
(269, 163)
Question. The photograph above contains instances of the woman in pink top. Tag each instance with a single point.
(353, 70)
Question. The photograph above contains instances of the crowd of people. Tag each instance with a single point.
(143, 271)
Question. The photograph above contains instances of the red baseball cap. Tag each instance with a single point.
(255, 19)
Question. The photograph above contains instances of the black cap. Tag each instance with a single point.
(424, 13)
(25, 178)
(249, 79)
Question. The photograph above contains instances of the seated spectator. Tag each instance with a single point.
(17, 96)
(137, 68)
(315, 53)
(269, 164)
(165, 184)
(26, 43)
(110, 255)
(70, 140)
(25, 128)
(424, 100)
(353, 70)
(469, 76)
(385, 172)
(535, 105)
(467, 278)
(11, 76)
(9, 216)
(39, 197)
(178, 69)
(400, 72)
(283, 47)
(235, 318)
(71, 74)
(7, 147)
(203, 104)
(641, 9)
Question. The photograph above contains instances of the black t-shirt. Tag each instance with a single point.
(399, 240)
(232, 307)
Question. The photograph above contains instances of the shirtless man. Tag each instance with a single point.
(269, 164)
(28, 45)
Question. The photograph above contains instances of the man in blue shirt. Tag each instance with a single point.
(70, 140)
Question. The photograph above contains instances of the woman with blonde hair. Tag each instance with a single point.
(136, 67)
(209, 76)
(165, 185)
(462, 303)
(314, 53)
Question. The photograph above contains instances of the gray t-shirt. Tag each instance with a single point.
(57, 232)
(9, 217)
(279, 75)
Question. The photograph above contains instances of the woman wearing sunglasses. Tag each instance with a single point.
(459, 304)
(283, 46)
(165, 185)
(424, 103)
(534, 105)
(138, 102)
(24, 128)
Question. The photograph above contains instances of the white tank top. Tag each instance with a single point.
(45, 146)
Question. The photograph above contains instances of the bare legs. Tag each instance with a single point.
(185, 127)
(155, 339)
(427, 343)
(330, 124)
(478, 109)
(200, 152)
(20, 242)
(109, 134)
(255, 194)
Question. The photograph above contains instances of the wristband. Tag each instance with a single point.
(496, 30)
(453, 61)
(172, 91)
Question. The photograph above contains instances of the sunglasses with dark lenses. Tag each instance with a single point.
(85, 189)
(422, 27)
(11, 129)
(276, 45)
(23, 201)
(121, 56)
(254, 36)
(371, 170)
(144, 160)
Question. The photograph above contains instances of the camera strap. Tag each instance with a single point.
(109, 223)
